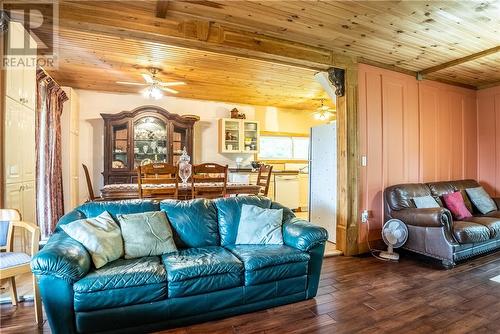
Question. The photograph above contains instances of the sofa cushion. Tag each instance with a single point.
(194, 222)
(468, 232)
(193, 271)
(94, 209)
(101, 236)
(146, 234)
(455, 203)
(467, 202)
(401, 196)
(229, 212)
(492, 223)
(266, 263)
(260, 226)
(120, 283)
(481, 199)
(444, 187)
(425, 202)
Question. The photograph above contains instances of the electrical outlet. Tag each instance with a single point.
(364, 216)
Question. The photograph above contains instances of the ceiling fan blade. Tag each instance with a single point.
(131, 83)
(172, 83)
(148, 78)
(170, 90)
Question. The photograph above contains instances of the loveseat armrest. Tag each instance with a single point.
(303, 235)
(428, 217)
(62, 257)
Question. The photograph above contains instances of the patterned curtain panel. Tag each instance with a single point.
(49, 189)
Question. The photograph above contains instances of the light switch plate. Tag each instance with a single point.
(363, 161)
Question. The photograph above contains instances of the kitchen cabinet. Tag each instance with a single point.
(21, 81)
(19, 134)
(238, 136)
(19, 145)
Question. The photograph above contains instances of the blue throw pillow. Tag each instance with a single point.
(425, 202)
(260, 226)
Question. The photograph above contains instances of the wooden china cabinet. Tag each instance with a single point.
(141, 136)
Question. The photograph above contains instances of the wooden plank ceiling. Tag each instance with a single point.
(96, 62)
(103, 42)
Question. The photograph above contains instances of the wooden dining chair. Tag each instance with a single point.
(209, 180)
(264, 179)
(17, 263)
(92, 197)
(158, 180)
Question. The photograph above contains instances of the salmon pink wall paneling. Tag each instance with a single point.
(489, 139)
(389, 132)
(448, 132)
(411, 131)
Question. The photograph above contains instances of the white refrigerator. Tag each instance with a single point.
(323, 177)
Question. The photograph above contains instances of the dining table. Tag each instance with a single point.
(119, 191)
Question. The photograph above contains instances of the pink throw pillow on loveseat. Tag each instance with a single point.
(455, 203)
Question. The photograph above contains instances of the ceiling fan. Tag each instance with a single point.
(155, 87)
(323, 112)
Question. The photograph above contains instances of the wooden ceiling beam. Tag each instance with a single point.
(198, 34)
(462, 60)
(489, 85)
(162, 9)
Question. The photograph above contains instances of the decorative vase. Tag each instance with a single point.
(145, 149)
(184, 167)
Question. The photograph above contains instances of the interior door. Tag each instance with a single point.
(323, 178)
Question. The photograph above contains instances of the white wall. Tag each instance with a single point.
(93, 103)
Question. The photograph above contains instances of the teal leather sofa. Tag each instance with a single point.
(209, 277)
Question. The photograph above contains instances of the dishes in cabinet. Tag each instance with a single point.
(117, 164)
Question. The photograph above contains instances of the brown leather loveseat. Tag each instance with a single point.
(433, 232)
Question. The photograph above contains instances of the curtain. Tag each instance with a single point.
(49, 189)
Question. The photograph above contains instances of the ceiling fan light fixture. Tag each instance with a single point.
(152, 92)
(322, 115)
(323, 112)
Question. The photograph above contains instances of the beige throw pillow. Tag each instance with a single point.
(101, 236)
(146, 234)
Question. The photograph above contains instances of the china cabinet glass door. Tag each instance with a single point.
(150, 141)
(232, 136)
(120, 147)
(250, 136)
(179, 141)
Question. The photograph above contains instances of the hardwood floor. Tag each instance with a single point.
(361, 295)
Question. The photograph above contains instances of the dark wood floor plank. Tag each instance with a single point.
(359, 295)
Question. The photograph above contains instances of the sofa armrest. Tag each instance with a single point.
(62, 257)
(431, 217)
(303, 235)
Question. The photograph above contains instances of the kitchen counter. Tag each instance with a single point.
(250, 170)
